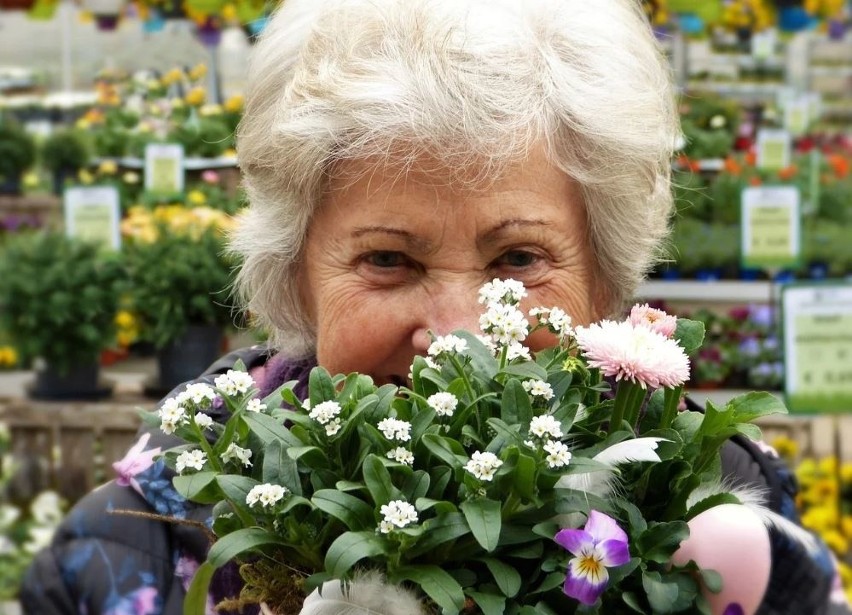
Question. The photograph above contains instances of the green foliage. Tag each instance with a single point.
(206, 137)
(65, 150)
(179, 280)
(58, 297)
(485, 537)
(17, 150)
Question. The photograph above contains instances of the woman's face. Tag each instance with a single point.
(390, 258)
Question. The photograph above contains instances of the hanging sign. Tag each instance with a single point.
(164, 173)
(93, 213)
(817, 333)
(770, 230)
(773, 148)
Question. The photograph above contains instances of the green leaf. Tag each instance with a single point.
(711, 579)
(378, 481)
(353, 512)
(661, 596)
(515, 407)
(489, 604)
(349, 548)
(280, 469)
(709, 502)
(199, 487)
(268, 430)
(689, 334)
(443, 449)
(481, 360)
(273, 400)
(632, 600)
(416, 486)
(439, 530)
(509, 433)
(525, 371)
(660, 541)
(320, 386)
(236, 488)
(228, 547)
(524, 477)
(195, 601)
(437, 584)
(506, 577)
(483, 517)
(311, 456)
(746, 408)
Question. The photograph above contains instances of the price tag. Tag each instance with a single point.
(763, 44)
(797, 116)
(164, 173)
(93, 213)
(770, 226)
(773, 148)
(817, 332)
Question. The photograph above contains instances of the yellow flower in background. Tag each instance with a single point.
(820, 518)
(130, 177)
(82, 124)
(786, 447)
(108, 167)
(846, 473)
(235, 103)
(128, 328)
(8, 356)
(125, 319)
(826, 489)
(195, 97)
(196, 197)
(828, 466)
(835, 541)
(30, 179)
(229, 13)
(230, 153)
(85, 177)
(197, 72)
(210, 110)
(846, 526)
(86, 17)
(172, 76)
(807, 471)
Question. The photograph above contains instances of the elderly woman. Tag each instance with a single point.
(398, 154)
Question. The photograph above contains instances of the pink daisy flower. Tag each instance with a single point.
(656, 320)
(634, 353)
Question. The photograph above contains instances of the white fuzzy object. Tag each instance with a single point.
(600, 482)
(368, 593)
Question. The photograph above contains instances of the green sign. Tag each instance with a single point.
(817, 324)
(773, 149)
(164, 172)
(770, 229)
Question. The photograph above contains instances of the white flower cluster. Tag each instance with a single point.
(556, 319)
(401, 455)
(394, 429)
(266, 495)
(326, 413)
(445, 344)
(172, 415)
(502, 291)
(234, 452)
(483, 465)
(545, 425)
(203, 421)
(234, 382)
(255, 405)
(504, 323)
(200, 394)
(443, 403)
(398, 514)
(558, 456)
(538, 388)
(194, 459)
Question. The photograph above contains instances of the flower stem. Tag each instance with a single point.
(634, 405)
(467, 385)
(622, 396)
(205, 446)
(671, 400)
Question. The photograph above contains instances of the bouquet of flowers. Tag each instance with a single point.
(495, 482)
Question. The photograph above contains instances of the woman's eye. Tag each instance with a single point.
(518, 258)
(385, 259)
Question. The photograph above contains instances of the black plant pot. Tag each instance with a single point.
(185, 358)
(10, 185)
(79, 382)
(60, 176)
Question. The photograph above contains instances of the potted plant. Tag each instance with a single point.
(64, 153)
(58, 299)
(17, 154)
(179, 278)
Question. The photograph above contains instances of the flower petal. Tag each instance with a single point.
(613, 552)
(603, 527)
(574, 540)
(584, 587)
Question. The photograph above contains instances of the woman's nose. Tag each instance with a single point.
(447, 312)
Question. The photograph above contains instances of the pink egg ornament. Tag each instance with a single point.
(732, 540)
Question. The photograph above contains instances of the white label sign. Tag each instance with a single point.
(773, 148)
(93, 213)
(164, 173)
(770, 226)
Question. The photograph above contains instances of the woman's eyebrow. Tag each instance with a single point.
(412, 241)
(494, 234)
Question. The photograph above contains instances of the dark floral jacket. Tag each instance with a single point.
(106, 560)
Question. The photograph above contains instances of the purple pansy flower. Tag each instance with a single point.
(601, 544)
(136, 460)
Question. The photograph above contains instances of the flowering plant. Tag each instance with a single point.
(497, 481)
